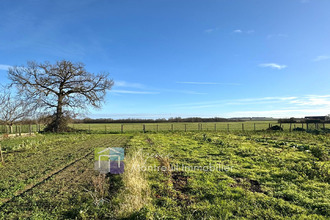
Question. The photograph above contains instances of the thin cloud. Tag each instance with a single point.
(321, 58)
(210, 30)
(278, 113)
(269, 36)
(239, 31)
(273, 65)
(208, 83)
(182, 91)
(120, 83)
(290, 105)
(4, 67)
(247, 101)
(133, 92)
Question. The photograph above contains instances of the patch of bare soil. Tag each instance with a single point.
(180, 182)
(248, 184)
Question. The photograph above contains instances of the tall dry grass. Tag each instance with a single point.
(135, 193)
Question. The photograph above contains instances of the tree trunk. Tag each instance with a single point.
(59, 114)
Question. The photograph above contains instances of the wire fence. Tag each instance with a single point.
(162, 127)
(21, 129)
(219, 126)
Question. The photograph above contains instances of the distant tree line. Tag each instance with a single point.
(160, 120)
(325, 119)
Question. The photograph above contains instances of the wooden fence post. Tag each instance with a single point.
(172, 128)
(185, 127)
(290, 126)
(254, 126)
(302, 125)
(122, 128)
(30, 130)
(19, 130)
(201, 127)
(144, 128)
(306, 126)
(2, 161)
(228, 127)
(157, 127)
(242, 126)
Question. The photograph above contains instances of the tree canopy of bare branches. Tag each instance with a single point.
(60, 88)
(13, 108)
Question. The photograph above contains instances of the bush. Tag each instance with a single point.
(298, 129)
(320, 153)
(275, 128)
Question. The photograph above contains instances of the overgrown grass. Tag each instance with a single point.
(275, 175)
(135, 191)
(261, 175)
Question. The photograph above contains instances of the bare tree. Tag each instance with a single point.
(60, 88)
(13, 108)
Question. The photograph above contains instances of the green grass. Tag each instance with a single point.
(263, 175)
(205, 126)
(274, 176)
(51, 172)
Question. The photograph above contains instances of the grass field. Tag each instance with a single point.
(168, 175)
(205, 126)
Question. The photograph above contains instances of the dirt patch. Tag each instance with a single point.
(149, 141)
(179, 180)
(248, 184)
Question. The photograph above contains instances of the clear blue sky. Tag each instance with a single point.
(185, 58)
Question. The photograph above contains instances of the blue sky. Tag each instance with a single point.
(168, 58)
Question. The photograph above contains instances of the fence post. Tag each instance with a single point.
(242, 126)
(254, 126)
(269, 125)
(306, 125)
(122, 128)
(302, 125)
(201, 127)
(172, 128)
(144, 128)
(185, 127)
(228, 127)
(2, 161)
(157, 127)
(19, 130)
(215, 127)
(290, 126)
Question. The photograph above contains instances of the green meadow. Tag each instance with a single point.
(168, 175)
(190, 126)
